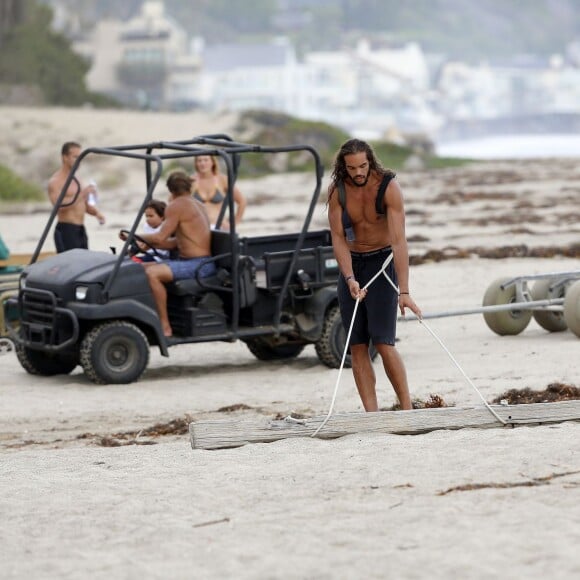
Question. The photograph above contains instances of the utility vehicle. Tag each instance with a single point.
(276, 293)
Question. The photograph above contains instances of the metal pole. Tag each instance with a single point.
(530, 305)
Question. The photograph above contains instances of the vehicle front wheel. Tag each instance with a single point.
(114, 353)
(37, 362)
(330, 345)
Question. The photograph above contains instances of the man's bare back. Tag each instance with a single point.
(191, 227)
(185, 228)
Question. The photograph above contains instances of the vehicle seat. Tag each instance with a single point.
(221, 281)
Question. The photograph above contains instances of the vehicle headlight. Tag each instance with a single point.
(81, 292)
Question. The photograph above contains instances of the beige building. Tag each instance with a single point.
(145, 61)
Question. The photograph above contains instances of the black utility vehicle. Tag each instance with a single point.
(277, 293)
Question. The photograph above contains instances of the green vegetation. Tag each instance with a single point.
(396, 156)
(14, 188)
(273, 129)
(459, 29)
(33, 55)
(391, 155)
(434, 162)
(455, 28)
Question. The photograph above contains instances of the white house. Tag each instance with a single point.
(367, 91)
(248, 76)
(360, 90)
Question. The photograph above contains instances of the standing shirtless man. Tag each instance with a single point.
(70, 230)
(366, 227)
(185, 228)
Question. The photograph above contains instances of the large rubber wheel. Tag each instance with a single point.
(507, 321)
(37, 362)
(263, 348)
(10, 314)
(114, 353)
(330, 345)
(549, 320)
(6, 345)
(572, 308)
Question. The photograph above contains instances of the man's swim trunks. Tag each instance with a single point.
(70, 236)
(186, 268)
(376, 315)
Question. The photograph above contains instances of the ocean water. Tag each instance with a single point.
(512, 147)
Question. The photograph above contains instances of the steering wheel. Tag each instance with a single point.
(135, 249)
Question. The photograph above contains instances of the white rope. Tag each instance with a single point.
(383, 271)
(462, 371)
(452, 358)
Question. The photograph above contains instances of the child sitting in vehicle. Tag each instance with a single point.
(154, 214)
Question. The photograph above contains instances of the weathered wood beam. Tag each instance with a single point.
(222, 433)
(23, 259)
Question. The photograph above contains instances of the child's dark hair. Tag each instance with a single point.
(157, 206)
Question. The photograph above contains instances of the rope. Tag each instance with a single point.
(462, 371)
(382, 271)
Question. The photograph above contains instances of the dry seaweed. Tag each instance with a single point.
(518, 251)
(552, 393)
(433, 402)
(179, 426)
(534, 482)
(233, 408)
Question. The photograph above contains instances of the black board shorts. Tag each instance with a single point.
(376, 315)
(69, 237)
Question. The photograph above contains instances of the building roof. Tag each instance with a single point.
(224, 57)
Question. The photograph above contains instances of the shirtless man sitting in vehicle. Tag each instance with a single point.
(70, 231)
(185, 228)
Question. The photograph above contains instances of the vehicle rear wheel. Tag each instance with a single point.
(552, 321)
(46, 364)
(507, 321)
(114, 353)
(572, 308)
(263, 348)
(330, 345)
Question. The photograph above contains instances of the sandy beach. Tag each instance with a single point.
(91, 488)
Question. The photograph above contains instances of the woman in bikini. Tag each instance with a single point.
(210, 187)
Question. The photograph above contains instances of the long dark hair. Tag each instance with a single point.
(339, 172)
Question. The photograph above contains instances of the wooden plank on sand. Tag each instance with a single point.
(23, 259)
(221, 434)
